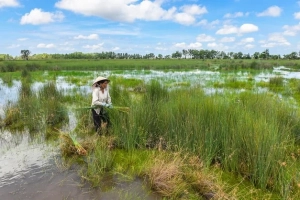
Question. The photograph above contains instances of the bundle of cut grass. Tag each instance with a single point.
(118, 108)
(71, 146)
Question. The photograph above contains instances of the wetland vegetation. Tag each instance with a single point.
(195, 130)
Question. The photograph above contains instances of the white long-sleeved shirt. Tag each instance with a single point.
(100, 98)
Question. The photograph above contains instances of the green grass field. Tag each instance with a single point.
(164, 64)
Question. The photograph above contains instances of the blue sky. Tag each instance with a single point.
(149, 26)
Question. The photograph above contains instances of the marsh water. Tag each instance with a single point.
(31, 166)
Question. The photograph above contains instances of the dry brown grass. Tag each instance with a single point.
(208, 187)
(175, 176)
(83, 147)
(11, 116)
(166, 177)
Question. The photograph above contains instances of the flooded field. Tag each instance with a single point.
(31, 166)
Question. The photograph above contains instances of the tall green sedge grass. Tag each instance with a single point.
(247, 134)
(8, 80)
(36, 111)
(99, 162)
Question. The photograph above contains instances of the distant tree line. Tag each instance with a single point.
(184, 54)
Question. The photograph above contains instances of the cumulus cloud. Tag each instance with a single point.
(184, 18)
(297, 15)
(230, 29)
(247, 40)
(218, 46)
(131, 10)
(45, 46)
(88, 37)
(8, 3)
(249, 46)
(227, 39)
(273, 11)
(227, 29)
(94, 47)
(183, 45)
(248, 28)
(194, 9)
(274, 39)
(207, 24)
(205, 38)
(235, 15)
(291, 30)
(37, 16)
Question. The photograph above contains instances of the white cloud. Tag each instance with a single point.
(217, 46)
(227, 29)
(184, 18)
(230, 29)
(131, 10)
(273, 11)
(291, 30)
(13, 46)
(22, 39)
(274, 39)
(8, 3)
(205, 38)
(116, 49)
(94, 47)
(207, 24)
(161, 48)
(194, 9)
(183, 45)
(89, 37)
(247, 40)
(45, 46)
(227, 39)
(297, 15)
(249, 46)
(37, 16)
(235, 15)
(248, 28)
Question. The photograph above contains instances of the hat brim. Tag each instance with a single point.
(100, 78)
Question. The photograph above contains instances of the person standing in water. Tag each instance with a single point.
(101, 99)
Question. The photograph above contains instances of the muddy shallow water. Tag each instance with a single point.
(31, 169)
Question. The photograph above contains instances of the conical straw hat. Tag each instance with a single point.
(100, 78)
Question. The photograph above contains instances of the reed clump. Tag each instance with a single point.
(246, 134)
(276, 81)
(70, 146)
(99, 162)
(36, 112)
(7, 79)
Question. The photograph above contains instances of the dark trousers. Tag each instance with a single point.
(99, 118)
